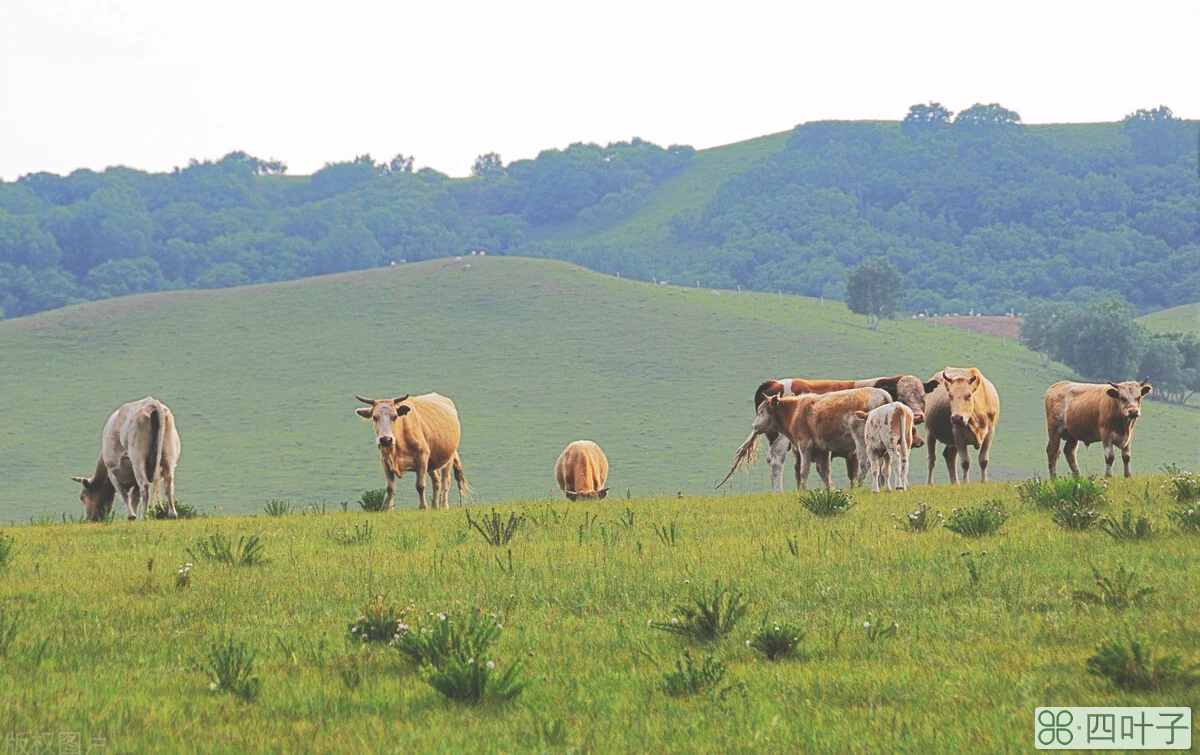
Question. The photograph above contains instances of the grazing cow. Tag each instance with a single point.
(582, 470)
(907, 389)
(818, 425)
(889, 434)
(1088, 413)
(418, 434)
(138, 448)
(961, 410)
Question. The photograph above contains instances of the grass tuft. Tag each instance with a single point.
(708, 616)
(1133, 666)
(977, 521)
(231, 669)
(827, 503)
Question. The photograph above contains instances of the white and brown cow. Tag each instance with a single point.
(418, 434)
(138, 448)
(907, 389)
(1090, 413)
(961, 410)
(582, 471)
(889, 435)
(820, 426)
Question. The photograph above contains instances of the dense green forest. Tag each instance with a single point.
(978, 212)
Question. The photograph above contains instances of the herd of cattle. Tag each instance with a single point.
(872, 424)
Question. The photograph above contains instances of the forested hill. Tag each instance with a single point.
(978, 211)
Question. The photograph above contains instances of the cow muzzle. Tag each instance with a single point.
(385, 441)
(958, 419)
(1135, 413)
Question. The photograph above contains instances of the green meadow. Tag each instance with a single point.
(535, 353)
(107, 645)
(1182, 319)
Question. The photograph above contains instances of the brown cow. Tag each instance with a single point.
(818, 425)
(139, 448)
(1091, 413)
(961, 410)
(907, 389)
(418, 434)
(582, 470)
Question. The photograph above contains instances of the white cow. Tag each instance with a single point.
(889, 434)
(139, 448)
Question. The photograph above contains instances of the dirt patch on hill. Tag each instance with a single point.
(1003, 325)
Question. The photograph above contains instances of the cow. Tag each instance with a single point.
(961, 409)
(819, 425)
(581, 471)
(907, 389)
(889, 434)
(418, 434)
(139, 447)
(1091, 413)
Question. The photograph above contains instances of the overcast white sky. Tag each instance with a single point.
(152, 83)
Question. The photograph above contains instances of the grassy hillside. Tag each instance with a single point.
(536, 354)
(1181, 319)
(109, 649)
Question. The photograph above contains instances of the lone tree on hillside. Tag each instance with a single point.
(486, 164)
(924, 118)
(980, 116)
(875, 288)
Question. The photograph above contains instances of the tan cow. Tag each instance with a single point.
(582, 470)
(1089, 413)
(961, 410)
(889, 435)
(418, 434)
(820, 426)
(138, 448)
(907, 389)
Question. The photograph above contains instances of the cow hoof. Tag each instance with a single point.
(132, 517)
(173, 515)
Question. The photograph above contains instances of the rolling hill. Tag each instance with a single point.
(535, 353)
(1183, 319)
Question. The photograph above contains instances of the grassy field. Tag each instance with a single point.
(1182, 319)
(536, 354)
(107, 646)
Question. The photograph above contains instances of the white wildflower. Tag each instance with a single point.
(491, 664)
(866, 625)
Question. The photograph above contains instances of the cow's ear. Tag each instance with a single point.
(602, 493)
(931, 385)
(773, 400)
(402, 410)
(1146, 390)
(973, 379)
(1113, 392)
(918, 418)
(364, 412)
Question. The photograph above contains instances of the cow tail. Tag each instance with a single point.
(464, 488)
(158, 432)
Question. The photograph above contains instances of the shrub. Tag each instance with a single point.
(1085, 492)
(1186, 519)
(381, 620)
(1119, 591)
(977, 521)
(494, 529)
(455, 658)
(373, 501)
(1074, 515)
(917, 521)
(1127, 528)
(1132, 665)
(160, 510)
(709, 616)
(220, 549)
(827, 502)
(231, 669)
(690, 679)
(279, 507)
(776, 640)
(1182, 486)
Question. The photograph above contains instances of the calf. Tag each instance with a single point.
(889, 434)
(582, 470)
(1089, 413)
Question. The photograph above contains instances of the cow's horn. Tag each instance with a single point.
(1145, 380)
(81, 480)
(367, 401)
(401, 399)
(1114, 385)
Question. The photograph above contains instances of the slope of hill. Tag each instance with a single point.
(1182, 319)
(535, 353)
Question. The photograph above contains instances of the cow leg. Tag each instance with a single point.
(1127, 456)
(887, 463)
(804, 466)
(964, 459)
(129, 498)
(1110, 455)
(931, 455)
(985, 453)
(1069, 454)
(876, 473)
(776, 454)
(390, 476)
(422, 467)
(169, 492)
(446, 487)
(824, 459)
(1052, 450)
(435, 476)
(950, 454)
(902, 469)
(856, 471)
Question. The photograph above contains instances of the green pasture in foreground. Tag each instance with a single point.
(535, 353)
(108, 647)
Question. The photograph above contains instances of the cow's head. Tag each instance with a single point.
(765, 418)
(96, 496)
(383, 412)
(906, 389)
(599, 495)
(916, 441)
(962, 390)
(1129, 395)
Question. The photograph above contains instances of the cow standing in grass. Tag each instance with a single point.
(961, 410)
(581, 471)
(418, 434)
(138, 448)
(889, 435)
(907, 389)
(820, 426)
(1089, 413)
